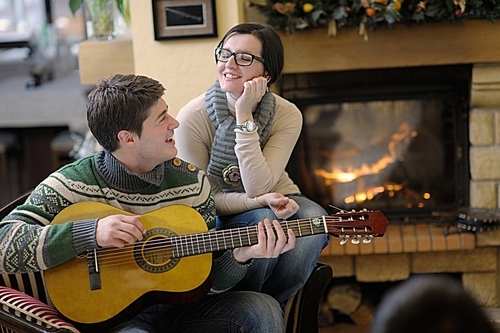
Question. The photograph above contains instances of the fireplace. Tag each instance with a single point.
(391, 139)
(398, 58)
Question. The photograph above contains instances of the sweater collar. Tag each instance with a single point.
(120, 178)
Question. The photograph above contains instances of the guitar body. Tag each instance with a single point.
(133, 276)
(171, 264)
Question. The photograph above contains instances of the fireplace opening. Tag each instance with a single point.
(395, 140)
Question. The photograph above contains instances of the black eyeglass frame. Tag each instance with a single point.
(233, 54)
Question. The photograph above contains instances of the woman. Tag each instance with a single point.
(243, 136)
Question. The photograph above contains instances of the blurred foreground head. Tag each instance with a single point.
(430, 304)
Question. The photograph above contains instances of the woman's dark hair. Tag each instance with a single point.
(272, 48)
(121, 102)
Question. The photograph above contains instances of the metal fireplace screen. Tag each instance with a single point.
(402, 151)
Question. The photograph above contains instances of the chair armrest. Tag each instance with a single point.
(22, 313)
(19, 325)
(301, 313)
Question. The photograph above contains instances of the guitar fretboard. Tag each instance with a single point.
(211, 241)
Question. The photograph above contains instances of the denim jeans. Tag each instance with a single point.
(242, 311)
(283, 276)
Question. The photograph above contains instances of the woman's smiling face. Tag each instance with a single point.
(231, 75)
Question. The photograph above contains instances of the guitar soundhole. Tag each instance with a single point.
(154, 253)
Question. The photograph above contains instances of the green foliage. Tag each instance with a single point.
(368, 14)
(74, 6)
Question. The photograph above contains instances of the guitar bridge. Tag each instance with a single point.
(93, 267)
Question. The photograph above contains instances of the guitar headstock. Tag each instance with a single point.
(355, 225)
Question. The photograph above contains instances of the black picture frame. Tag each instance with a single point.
(180, 19)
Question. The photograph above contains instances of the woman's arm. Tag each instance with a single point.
(195, 134)
(262, 169)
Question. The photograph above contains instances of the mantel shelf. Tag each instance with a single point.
(472, 42)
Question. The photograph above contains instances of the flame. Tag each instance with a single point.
(404, 134)
(352, 173)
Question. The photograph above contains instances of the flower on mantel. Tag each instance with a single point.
(333, 15)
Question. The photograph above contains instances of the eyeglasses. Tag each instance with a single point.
(241, 58)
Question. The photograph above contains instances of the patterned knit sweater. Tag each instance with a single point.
(28, 242)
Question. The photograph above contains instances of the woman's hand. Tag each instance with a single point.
(118, 230)
(272, 241)
(282, 206)
(253, 90)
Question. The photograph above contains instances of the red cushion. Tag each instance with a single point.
(31, 309)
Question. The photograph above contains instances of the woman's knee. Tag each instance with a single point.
(308, 208)
(248, 218)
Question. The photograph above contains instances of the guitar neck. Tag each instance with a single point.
(188, 245)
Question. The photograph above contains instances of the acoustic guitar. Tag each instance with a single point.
(171, 264)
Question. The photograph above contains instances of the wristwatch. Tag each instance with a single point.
(247, 126)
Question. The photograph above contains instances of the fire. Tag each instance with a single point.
(339, 175)
(397, 145)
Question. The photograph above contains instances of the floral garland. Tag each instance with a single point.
(295, 15)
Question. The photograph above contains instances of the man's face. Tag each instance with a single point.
(156, 143)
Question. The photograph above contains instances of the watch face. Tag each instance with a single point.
(250, 125)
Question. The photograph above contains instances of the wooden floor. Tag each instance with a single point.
(344, 328)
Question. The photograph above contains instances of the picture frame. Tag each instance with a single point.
(180, 19)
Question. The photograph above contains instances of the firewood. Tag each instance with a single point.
(345, 298)
(363, 315)
(325, 315)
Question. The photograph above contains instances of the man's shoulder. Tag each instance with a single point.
(83, 163)
(179, 165)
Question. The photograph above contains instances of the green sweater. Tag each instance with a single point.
(28, 242)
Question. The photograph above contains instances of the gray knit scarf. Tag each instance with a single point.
(223, 165)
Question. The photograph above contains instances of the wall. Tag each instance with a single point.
(185, 67)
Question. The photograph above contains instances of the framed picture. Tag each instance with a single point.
(176, 19)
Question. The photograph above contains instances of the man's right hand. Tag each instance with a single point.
(119, 230)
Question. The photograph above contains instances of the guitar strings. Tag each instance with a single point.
(117, 256)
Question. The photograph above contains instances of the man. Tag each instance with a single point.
(137, 171)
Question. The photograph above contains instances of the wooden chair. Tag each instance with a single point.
(301, 312)
(19, 312)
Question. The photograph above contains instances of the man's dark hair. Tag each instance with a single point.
(272, 47)
(121, 102)
(430, 304)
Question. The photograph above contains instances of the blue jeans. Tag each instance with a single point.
(242, 311)
(283, 276)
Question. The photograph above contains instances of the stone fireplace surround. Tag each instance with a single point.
(423, 248)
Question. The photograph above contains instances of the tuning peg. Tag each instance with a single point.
(367, 239)
(355, 240)
(344, 239)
